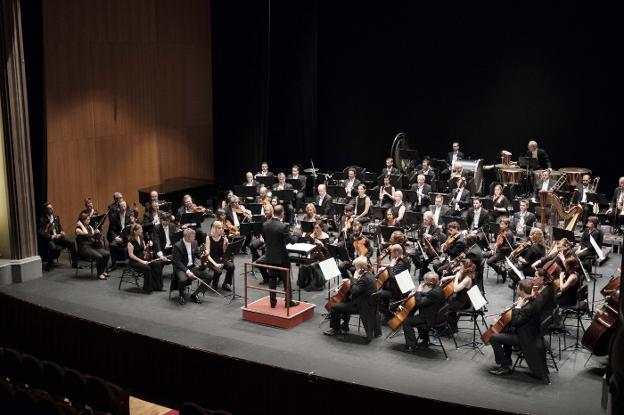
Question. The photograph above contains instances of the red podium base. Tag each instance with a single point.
(260, 312)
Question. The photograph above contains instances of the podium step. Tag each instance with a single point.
(260, 312)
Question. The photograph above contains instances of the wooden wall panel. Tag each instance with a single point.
(128, 97)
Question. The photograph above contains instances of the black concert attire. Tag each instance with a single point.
(360, 294)
(387, 172)
(395, 212)
(276, 237)
(119, 225)
(589, 255)
(450, 158)
(354, 185)
(540, 185)
(580, 197)
(152, 272)
(390, 291)
(360, 206)
(522, 223)
(50, 247)
(163, 238)
(300, 193)
(567, 298)
(543, 161)
(183, 261)
(524, 331)
(89, 252)
(151, 217)
(217, 253)
(324, 205)
(346, 266)
(500, 203)
(476, 218)
(429, 304)
(386, 201)
(200, 235)
(530, 255)
(439, 212)
(616, 204)
(268, 174)
(429, 175)
(462, 201)
(452, 251)
(423, 201)
(475, 254)
(459, 301)
(436, 239)
(288, 207)
(310, 276)
(504, 240)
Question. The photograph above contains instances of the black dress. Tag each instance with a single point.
(217, 253)
(501, 202)
(567, 298)
(152, 272)
(360, 206)
(87, 251)
(387, 201)
(395, 213)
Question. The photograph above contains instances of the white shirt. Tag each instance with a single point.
(122, 219)
(475, 219)
(168, 243)
(436, 214)
(349, 187)
(534, 154)
(189, 251)
(51, 217)
(321, 198)
(545, 185)
(454, 159)
(235, 218)
(419, 193)
(584, 198)
(458, 197)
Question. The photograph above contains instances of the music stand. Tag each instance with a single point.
(372, 194)
(307, 227)
(246, 191)
(413, 218)
(147, 230)
(386, 231)
(395, 180)
(560, 233)
(255, 208)
(487, 203)
(233, 249)
(336, 191)
(266, 181)
(284, 196)
(377, 212)
(191, 217)
(165, 207)
(410, 196)
(296, 183)
(528, 162)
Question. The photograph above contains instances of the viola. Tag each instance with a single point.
(340, 296)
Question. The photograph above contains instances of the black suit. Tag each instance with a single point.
(300, 194)
(276, 237)
(436, 239)
(148, 217)
(429, 304)
(424, 200)
(353, 193)
(361, 291)
(540, 182)
(116, 229)
(444, 211)
(543, 161)
(529, 221)
(449, 157)
(588, 255)
(463, 202)
(50, 248)
(483, 217)
(288, 207)
(159, 239)
(385, 172)
(453, 250)
(327, 208)
(181, 266)
(429, 176)
(577, 199)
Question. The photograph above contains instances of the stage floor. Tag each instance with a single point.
(216, 326)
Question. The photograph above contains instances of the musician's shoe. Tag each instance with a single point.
(48, 266)
(501, 371)
(332, 332)
(181, 300)
(273, 303)
(244, 251)
(344, 328)
(226, 287)
(423, 344)
(195, 299)
(409, 348)
(512, 285)
(293, 303)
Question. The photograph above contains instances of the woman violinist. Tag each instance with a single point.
(461, 282)
(141, 258)
(216, 246)
(501, 204)
(90, 244)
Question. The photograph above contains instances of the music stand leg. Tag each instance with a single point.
(233, 296)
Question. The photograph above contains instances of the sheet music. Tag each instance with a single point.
(515, 269)
(404, 280)
(329, 268)
(300, 247)
(596, 248)
(476, 298)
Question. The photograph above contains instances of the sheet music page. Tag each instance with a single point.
(404, 280)
(596, 248)
(515, 269)
(329, 268)
(300, 247)
(476, 298)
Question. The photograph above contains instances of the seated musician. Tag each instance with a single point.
(52, 237)
(398, 210)
(427, 171)
(460, 198)
(362, 205)
(385, 193)
(543, 161)
(153, 213)
(501, 204)
(263, 196)
(299, 193)
(89, 209)
(189, 207)
(229, 194)
(429, 300)
(250, 181)
(357, 245)
(164, 236)
(264, 170)
(309, 215)
(140, 261)
(450, 249)
(91, 245)
(523, 220)
(346, 222)
(474, 253)
(153, 198)
(580, 197)
(545, 183)
(503, 247)
(283, 185)
(310, 275)
(477, 216)
(523, 331)
(451, 159)
(569, 283)
(185, 252)
(457, 173)
(390, 290)
(350, 184)
(430, 239)
(362, 288)
(117, 197)
(527, 257)
(119, 219)
(389, 219)
(438, 209)
(389, 169)
(616, 206)
(462, 278)
(586, 252)
(216, 246)
(323, 201)
(422, 190)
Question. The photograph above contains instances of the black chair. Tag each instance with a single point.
(577, 310)
(11, 366)
(81, 258)
(544, 330)
(473, 316)
(75, 387)
(106, 397)
(129, 275)
(441, 327)
(52, 380)
(32, 370)
(47, 406)
(25, 402)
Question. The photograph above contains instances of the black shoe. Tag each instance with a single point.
(344, 328)
(181, 301)
(47, 267)
(273, 303)
(263, 282)
(195, 299)
(293, 304)
(512, 285)
(423, 344)
(409, 349)
(226, 287)
(332, 332)
(501, 371)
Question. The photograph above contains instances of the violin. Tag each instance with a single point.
(246, 213)
(340, 296)
(450, 241)
(521, 248)
(347, 227)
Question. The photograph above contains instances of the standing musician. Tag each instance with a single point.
(362, 288)
(282, 185)
(141, 259)
(451, 159)
(429, 299)
(398, 210)
(357, 245)
(543, 161)
(422, 190)
(164, 236)
(477, 216)
(264, 170)
(362, 205)
(216, 246)
(389, 169)
(152, 213)
(439, 209)
(117, 197)
(536, 249)
(579, 197)
(462, 281)
(350, 184)
(119, 219)
(324, 202)
(91, 246)
(390, 290)
(185, 252)
(263, 196)
(52, 235)
(430, 239)
(299, 193)
(545, 183)
(385, 193)
(586, 252)
(451, 248)
(616, 206)
(569, 283)
(503, 248)
(89, 209)
(427, 171)
(524, 331)
(189, 207)
(501, 204)
(523, 220)
(460, 198)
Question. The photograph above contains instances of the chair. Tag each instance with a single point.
(80, 258)
(52, 379)
(173, 286)
(32, 370)
(545, 327)
(75, 387)
(440, 327)
(7, 396)
(106, 397)
(129, 275)
(11, 364)
(577, 310)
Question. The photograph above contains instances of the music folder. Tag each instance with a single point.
(306, 226)
(191, 217)
(284, 195)
(250, 228)
(245, 191)
(267, 181)
(476, 298)
(296, 183)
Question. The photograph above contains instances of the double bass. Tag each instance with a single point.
(598, 335)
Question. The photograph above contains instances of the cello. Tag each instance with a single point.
(404, 311)
(502, 322)
(382, 277)
(340, 296)
(598, 335)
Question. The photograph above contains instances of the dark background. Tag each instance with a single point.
(345, 77)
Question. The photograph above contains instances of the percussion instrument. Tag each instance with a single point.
(574, 175)
(510, 175)
(505, 158)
